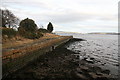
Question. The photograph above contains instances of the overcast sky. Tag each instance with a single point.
(68, 15)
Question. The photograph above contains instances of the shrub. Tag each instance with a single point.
(9, 32)
(39, 34)
(21, 31)
(31, 35)
(43, 30)
(28, 25)
(28, 29)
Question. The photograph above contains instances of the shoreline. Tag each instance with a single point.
(61, 63)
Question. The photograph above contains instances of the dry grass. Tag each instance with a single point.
(21, 51)
(19, 41)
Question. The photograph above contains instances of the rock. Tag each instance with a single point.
(92, 58)
(81, 76)
(77, 56)
(85, 58)
(46, 59)
(79, 70)
(85, 69)
(79, 51)
(76, 63)
(93, 75)
(103, 64)
(96, 69)
(101, 78)
(117, 65)
(99, 73)
(113, 79)
(89, 61)
(106, 72)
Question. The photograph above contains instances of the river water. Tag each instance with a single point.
(104, 48)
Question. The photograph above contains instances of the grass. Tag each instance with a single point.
(21, 41)
(36, 44)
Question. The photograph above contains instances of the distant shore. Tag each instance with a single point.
(61, 64)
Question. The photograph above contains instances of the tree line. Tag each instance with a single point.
(26, 28)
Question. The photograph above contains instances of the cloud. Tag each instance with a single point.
(67, 14)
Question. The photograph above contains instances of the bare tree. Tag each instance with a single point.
(9, 19)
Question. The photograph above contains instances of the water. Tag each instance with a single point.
(104, 48)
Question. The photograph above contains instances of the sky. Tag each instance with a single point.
(83, 16)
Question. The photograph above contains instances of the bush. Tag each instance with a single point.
(21, 31)
(43, 30)
(28, 25)
(39, 34)
(33, 35)
(9, 32)
(28, 29)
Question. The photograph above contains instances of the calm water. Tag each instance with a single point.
(104, 48)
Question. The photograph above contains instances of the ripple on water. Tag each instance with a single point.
(103, 48)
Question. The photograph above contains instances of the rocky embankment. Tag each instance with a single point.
(61, 64)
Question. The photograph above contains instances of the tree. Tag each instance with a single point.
(3, 22)
(28, 29)
(9, 19)
(50, 27)
(28, 25)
